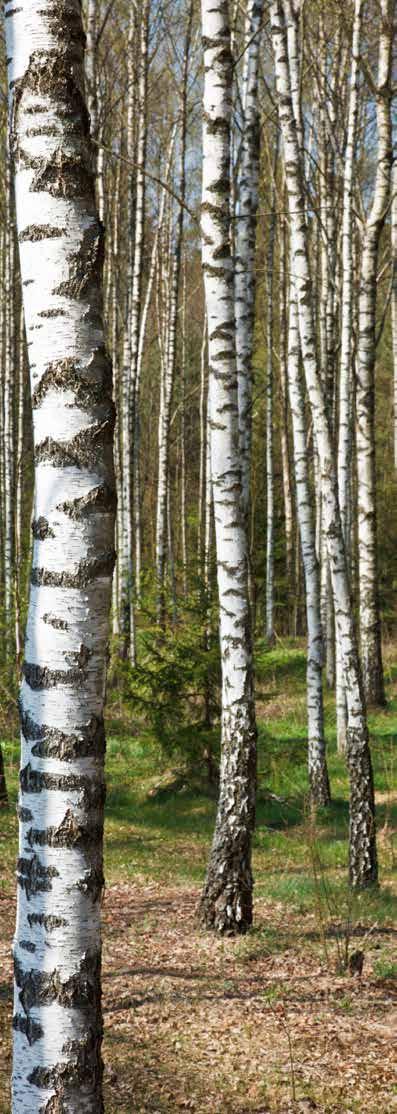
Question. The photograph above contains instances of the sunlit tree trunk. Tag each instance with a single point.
(285, 449)
(345, 442)
(245, 236)
(226, 902)
(370, 621)
(317, 765)
(269, 428)
(362, 843)
(171, 342)
(57, 947)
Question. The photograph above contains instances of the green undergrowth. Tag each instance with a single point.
(159, 819)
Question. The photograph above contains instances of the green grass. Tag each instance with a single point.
(160, 828)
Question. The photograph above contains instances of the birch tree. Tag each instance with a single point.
(362, 844)
(370, 622)
(57, 949)
(345, 441)
(226, 902)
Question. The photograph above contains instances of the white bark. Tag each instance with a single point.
(370, 622)
(57, 1020)
(362, 848)
(227, 898)
(394, 299)
(269, 428)
(246, 234)
(317, 766)
(345, 442)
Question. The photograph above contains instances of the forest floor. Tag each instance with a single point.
(272, 1022)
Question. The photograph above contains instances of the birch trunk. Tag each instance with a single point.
(370, 620)
(246, 236)
(57, 948)
(226, 902)
(394, 299)
(170, 346)
(8, 431)
(345, 442)
(269, 431)
(285, 449)
(362, 843)
(317, 764)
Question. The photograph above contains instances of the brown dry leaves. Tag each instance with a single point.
(198, 1023)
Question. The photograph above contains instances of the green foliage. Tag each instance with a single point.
(175, 685)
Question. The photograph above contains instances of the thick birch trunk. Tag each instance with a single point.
(57, 949)
(317, 765)
(226, 902)
(362, 843)
(370, 621)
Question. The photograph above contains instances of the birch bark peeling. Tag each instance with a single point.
(226, 902)
(57, 951)
(362, 842)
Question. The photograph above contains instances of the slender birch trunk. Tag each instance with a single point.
(226, 902)
(246, 236)
(285, 450)
(269, 429)
(345, 442)
(57, 948)
(370, 620)
(21, 459)
(170, 345)
(317, 764)
(8, 431)
(394, 298)
(362, 842)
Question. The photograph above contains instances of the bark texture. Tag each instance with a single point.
(57, 1014)
(362, 842)
(226, 902)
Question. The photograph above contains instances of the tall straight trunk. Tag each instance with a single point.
(124, 419)
(285, 450)
(19, 487)
(183, 437)
(57, 948)
(9, 432)
(345, 442)
(171, 341)
(203, 447)
(394, 300)
(226, 902)
(362, 842)
(269, 428)
(317, 764)
(370, 620)
(246, 235)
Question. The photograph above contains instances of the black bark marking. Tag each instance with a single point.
(41, 232)
(40, 677)
(49, 742)
(41, 529)
(41, 988)
(101, 498)
(47, 921)
(33, 877)
(24, 814)
(87, 572)
(92, 884)
(92, 791)
(83, 1068)
(70, 833)
(90, 384)
(54, 621)
(82, 450)
(32, 1029)
(85, 266)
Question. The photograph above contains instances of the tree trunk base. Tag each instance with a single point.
(226, 907)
